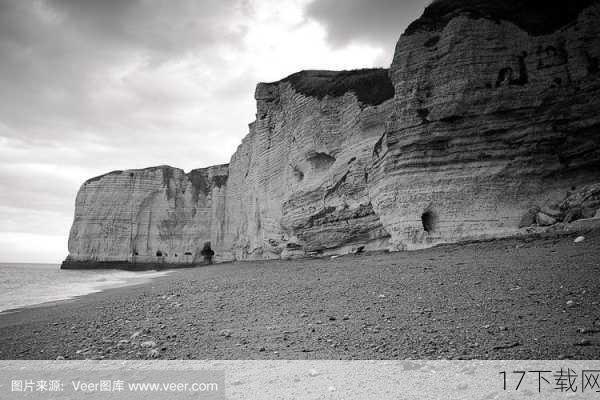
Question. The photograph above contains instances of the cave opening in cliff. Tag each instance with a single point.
(320, 161)
(208, 253)
(159, 253)
(298, 174)
(429, 220)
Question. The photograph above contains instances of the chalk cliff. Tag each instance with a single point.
(297, 183)
(495, 111)
(150, 215)
(489, 111)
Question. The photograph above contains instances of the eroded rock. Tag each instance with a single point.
(482, 113)
(491, 117)
(529, 218)
(544, 220)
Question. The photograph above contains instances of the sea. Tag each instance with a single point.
(23, 285)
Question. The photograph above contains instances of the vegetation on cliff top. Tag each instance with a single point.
(537, 17)
(167, 172)
(198, 177)
(371, 86)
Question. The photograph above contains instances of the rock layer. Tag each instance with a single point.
(489, 119)
(297, 183)
(485, 121)
(157, 214)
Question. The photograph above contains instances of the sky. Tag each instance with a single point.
(92, 86)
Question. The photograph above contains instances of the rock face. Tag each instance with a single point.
(486, 120)
(297, 183)
(492, 115)
(153, 215)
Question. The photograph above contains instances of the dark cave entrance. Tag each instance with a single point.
(429, 220)
(208, 253)
(159, 253)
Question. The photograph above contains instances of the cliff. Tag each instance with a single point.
(493, 115)
(297, 183)
(488, 111)
(152, 215)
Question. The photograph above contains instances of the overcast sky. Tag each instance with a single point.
(90, 86)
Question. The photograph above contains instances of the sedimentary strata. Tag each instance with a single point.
(495, 111)
(153, 215)
(486, 123)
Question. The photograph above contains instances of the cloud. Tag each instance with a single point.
(376, 22)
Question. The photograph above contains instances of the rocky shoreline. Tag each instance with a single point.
(533, 297)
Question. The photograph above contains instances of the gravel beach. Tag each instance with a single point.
(526, 298)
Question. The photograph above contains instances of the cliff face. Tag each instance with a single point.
(296, 185)
(155, 214)
(491, 117)
(297, 182)
(489, 111)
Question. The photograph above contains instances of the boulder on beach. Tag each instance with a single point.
(544, 220)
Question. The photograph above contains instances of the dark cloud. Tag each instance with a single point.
(57, 54)
(379, 22)
(153, 25)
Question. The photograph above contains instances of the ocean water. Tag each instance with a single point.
(31, 284)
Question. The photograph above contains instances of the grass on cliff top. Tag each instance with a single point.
(371, 86)
(537, 17)
(166, 170)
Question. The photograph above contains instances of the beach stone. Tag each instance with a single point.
(553, 211)
(528, 219)
(544, 220)
(225, 333)
(135, 334)
(579, 239)
(153, 353)
(583, 342)
(148, 343)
